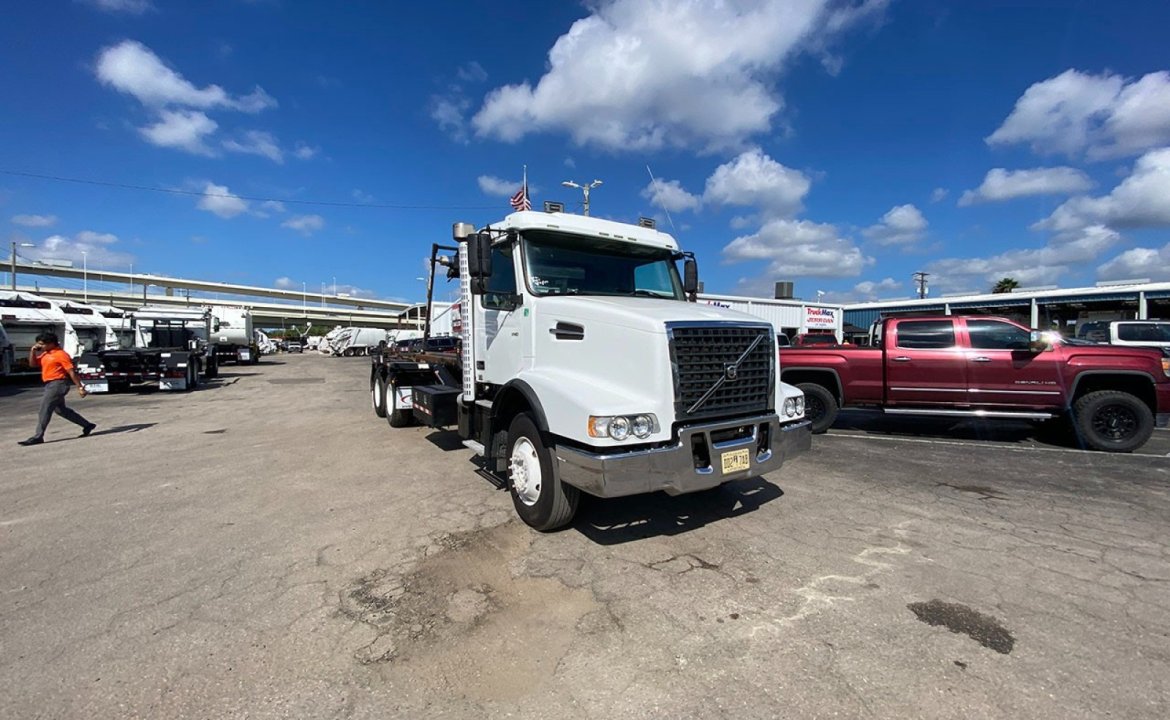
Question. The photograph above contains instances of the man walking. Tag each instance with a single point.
(56, 372)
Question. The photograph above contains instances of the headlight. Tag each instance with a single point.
(790, 407)
(621, 427)
(800, 405)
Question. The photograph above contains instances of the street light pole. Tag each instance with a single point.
(585, 189)
(85, 275)
(14, 246)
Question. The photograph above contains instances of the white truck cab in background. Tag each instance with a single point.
(584, 368)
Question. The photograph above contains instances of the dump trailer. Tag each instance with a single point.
(171, 349)
(233, 335)
(585, 366)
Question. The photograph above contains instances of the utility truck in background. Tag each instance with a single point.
(25, 316)
(7, 355)
(582, 367)
(233, 335)
(172, 348)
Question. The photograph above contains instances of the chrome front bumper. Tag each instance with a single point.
(672, 469)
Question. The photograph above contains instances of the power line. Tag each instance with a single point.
(254, 198)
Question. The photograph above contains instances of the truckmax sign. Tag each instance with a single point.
(820, 318)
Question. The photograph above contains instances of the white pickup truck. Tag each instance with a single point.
(582, 367)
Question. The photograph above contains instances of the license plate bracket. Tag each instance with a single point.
(735, 460)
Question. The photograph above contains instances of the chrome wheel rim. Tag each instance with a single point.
(524, 471)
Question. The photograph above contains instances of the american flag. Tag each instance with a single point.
(520, 199)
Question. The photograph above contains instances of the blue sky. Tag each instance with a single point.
(841, 145)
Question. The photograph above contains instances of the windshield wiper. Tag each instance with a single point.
(651, 293)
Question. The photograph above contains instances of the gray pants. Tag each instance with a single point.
(53, 401)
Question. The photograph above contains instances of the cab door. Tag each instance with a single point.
(502, 343)
(1003, 372)
(924, 364)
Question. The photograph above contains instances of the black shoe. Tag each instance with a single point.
(85, 431)
(31, 441)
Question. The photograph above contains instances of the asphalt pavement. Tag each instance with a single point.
(265, 547)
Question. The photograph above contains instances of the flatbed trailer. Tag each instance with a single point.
(172, 351)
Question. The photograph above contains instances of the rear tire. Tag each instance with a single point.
(378, 395)
(541, 500)
(1112, 421)
(820, 406)
(398, 418)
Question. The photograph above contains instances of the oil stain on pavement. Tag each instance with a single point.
(960, 619)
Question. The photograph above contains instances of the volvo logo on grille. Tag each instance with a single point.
(731, 371)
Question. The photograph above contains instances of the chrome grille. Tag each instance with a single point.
(701, 356)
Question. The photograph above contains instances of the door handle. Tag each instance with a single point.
(902, 358)
(981, 359)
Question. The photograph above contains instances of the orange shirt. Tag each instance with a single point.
(55, 365)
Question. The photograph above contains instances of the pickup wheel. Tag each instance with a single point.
(399, 418)
(378, 395)
(541, 500)
(820, 406)
(1112, 421)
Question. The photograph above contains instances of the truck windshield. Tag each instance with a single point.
(560, 264)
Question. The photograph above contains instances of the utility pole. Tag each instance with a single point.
(920, 279)
(14, 246)
(585, 189)
(85, 276)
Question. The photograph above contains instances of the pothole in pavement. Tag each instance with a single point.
(960, 619)
(460, 622)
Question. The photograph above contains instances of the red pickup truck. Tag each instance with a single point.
(988, 367)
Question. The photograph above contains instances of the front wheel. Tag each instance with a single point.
(820, 406)
(1113, 421)
(541, 500)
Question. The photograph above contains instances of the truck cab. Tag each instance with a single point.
(584, 368)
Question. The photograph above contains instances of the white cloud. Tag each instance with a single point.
(1038, 266)
(34, 220)
(268, 208)
(363, 197)
(132, 68)
(219, 200)
(472, 72)
(1102, 116)
(181, 130)
(1001, 184)
(670, 196)
(450, 112)
(640, 75)
(939, 194)
(131, 7)
(492, 185)
(86, 248)
(799, 248)
(754, 178)
(1152, 263)
(284, 283)
(304, 224)
(1141, 200)
(257, 142)
(869, 288)
(902, 225)
(305, 152)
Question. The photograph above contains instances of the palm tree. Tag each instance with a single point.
(1005, 285)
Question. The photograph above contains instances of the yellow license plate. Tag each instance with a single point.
(735, 460)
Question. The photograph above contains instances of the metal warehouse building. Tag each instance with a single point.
(1049, 307)
(788, 315)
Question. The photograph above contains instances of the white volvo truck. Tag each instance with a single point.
(583, 368)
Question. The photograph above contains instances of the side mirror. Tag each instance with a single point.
(479, 259)
(690, 277)
(1039, 341)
